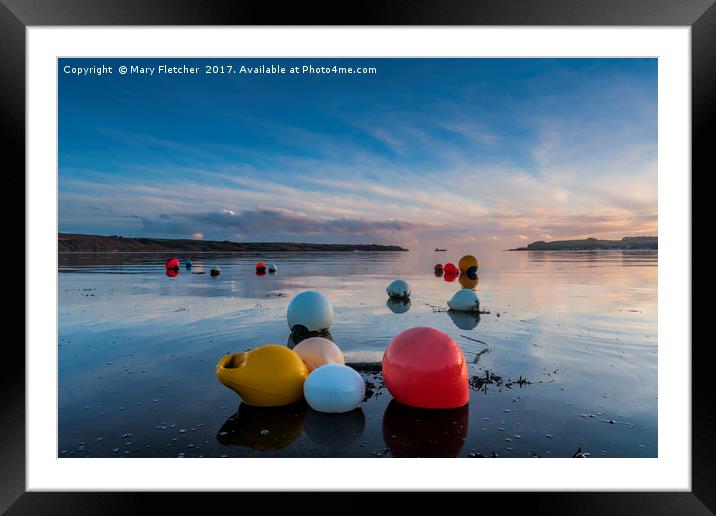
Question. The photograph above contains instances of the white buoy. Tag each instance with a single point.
(317, 351)
(310, 310)
(464, 300)
(398, 289)
(334, 388)
(272, 267)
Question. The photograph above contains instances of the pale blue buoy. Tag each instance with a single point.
(334, 388)
(310, 310)
(398, 289)
(464, 300)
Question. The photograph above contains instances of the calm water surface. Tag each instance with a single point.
(565, 359)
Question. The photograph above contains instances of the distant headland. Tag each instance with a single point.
(76, 243)
(646, 243)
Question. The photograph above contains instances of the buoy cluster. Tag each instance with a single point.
(467, 265)
(465, 299)
(172, 268)
(422, 367)
(262, 268)
(273, 375)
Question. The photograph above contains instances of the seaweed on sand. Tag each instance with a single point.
(480, 383)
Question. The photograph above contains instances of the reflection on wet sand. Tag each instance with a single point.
(464, 320)
(334, 429)
(467, 282)
(413, 432)
(398, 306)
(263, 428)
(450, 276)
(296, 337)
(583, 331)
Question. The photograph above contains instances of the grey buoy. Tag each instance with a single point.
(215, 271)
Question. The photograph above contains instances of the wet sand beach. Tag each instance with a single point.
(563, 359)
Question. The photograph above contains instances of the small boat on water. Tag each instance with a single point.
(436, 249)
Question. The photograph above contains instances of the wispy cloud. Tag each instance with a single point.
(272, 221)
(534, 151)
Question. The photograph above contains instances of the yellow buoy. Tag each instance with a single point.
(466, 262)
(268, 376)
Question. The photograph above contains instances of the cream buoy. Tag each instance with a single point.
(334, 388)
(464, 300)
(317, 351)
(398, 289)
(310, 310)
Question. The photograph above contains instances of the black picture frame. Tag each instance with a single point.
(17, 15)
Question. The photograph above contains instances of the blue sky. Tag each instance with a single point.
(425, 151)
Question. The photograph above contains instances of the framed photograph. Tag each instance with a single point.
(295, 251)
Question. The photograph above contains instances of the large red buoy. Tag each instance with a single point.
(261, 268)
(423, 367)
(172, 263)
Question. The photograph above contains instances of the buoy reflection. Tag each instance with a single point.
(334, 429)
(450, 276)
(464, 320)
(263, 428)
(398, 306)
(468, 282)
(413, 432)
(301, 333)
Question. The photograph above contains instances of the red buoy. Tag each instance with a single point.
(451, 269)
(172, 273)
(424, 368)
(261, 267)
(451, 276)
(172, 263)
